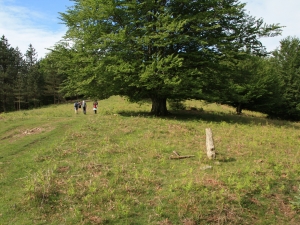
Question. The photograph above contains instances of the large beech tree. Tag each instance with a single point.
(159, 49)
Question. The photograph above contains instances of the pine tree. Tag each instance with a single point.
(286, 66)
(34, 79)
(20, 85)
(10, 65)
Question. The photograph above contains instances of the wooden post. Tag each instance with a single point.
(210, 147)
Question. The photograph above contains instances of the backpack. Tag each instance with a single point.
(75, 104)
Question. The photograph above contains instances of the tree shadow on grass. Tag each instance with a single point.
(211, 116)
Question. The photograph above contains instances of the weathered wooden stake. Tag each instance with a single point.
(210, 147)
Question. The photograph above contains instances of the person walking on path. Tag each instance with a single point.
(84, 107)
(76, 105)
(95, 106)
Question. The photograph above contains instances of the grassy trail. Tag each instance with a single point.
(115, 168)
(21, 143)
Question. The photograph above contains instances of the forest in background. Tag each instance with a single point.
(167, 51)
(268, 84)
(25, 83)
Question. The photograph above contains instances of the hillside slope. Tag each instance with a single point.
(114, 167)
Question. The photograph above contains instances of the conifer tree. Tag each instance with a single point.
(53, 76)
(286, 66)
(10, 65)
(20, 83)
(34, 79)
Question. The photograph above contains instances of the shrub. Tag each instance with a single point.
(176, 105)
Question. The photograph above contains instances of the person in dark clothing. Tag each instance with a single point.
(84, 107)
(76, 105)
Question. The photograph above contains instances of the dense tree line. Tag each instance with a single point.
(268, 84)
(159, 50)
(26, 82)
(285, 66)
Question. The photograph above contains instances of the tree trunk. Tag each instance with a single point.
(159, 106)
(239, 109)
(4, 103)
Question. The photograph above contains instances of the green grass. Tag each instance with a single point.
(114, 167)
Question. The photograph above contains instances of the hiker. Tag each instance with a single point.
(84, 107)
(76, 105)
(95, 106)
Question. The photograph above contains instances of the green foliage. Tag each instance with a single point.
(296, 202)
(34, 85)
(176, 105)
(21, 78)
(10, 63)
(251, 85)
(286, 66)
(54, 74)
(157, 49)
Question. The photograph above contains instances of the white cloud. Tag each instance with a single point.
(23, 27)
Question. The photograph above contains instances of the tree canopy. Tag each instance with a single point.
(285, 63)
(10, 64)
(159, 49)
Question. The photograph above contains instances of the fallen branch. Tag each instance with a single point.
(176, 153)
(181, 156)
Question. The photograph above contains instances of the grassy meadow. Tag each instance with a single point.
(115, 167)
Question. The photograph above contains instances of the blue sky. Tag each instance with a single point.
(36, 22)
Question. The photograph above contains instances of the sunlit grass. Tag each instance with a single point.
(114, 167)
